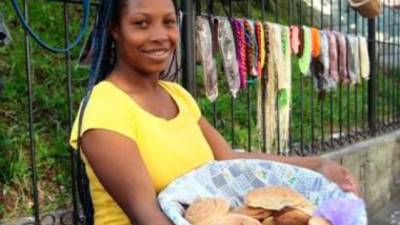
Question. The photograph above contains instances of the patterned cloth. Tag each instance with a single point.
(204, 46)
(232, 179)
(305, 59)
(353, 57)
(364, 58)
(227, 46)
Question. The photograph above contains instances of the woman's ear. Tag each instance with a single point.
(113, 30)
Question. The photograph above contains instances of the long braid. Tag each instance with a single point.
(101, 42)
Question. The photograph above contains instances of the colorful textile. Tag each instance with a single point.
(316, 42)
(295, 39)
(342, 53)
(228, 50)
(305, 59)
(250, 47)
(333, 58)
(261, 47)
(204, 45)
(364, 58)
(240, 41)
(353, 56)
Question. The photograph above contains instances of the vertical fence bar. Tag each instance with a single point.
(363, 91)
(331, 92)
(312, 145)
(249, 86)
(263, 89)
(232, 98)
(356, 85)
(340, 84)
(348, 135)
(189, 80)
(322, 99)
(372, 81)
(301, 94)
(67, 60)
(28, 70)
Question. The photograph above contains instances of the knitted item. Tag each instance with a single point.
(261, 47)
(285, 92)
(333, 58)
(342, 51)
(295, 39)
(227, 47)
(321, 65)
(250, 47)
(204, 45)
(241, 51)
(305, 59)
(316, 42)
(353, 55)
(364, 58)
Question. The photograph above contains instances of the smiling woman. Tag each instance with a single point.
(137, 132)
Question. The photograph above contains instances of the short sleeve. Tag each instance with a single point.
(188, 100)
(106, 114)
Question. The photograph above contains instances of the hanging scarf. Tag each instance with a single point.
(250, 47)
(227, 46)
(364, 58)
(353, 56)
(284, 92)
(204, 45)
(305, 59)
(321, 65)
(261, 47)
(333, 59)
(240, 51)
(342, 51)
(316, 42)
(295, 39)
(275, 64)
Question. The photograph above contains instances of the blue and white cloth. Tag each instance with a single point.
(232, 180)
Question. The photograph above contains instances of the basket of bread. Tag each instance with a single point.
(258, 192)
(367, 8)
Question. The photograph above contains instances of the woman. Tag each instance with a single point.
(139, 133)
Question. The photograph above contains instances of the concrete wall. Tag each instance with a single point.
(376, 163)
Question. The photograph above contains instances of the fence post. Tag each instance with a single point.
(188, 57)
(372, 97)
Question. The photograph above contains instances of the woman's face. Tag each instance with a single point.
(147, 34)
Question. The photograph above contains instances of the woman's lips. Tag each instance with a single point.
(157, 55)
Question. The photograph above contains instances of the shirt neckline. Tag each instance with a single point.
(145, 112)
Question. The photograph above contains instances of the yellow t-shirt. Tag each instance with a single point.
(169, 148)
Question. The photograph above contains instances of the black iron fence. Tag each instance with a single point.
(319, 121)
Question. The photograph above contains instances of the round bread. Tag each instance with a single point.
(256, 213)
(291, 216)
(236, 219)
(269, 221)
(202, 209)
(315, 220)
(277, 198)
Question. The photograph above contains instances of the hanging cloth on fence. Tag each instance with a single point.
(250, 47)
(321, 66)
(364, 58)
(316, 42)
(204, 45)
(5, 36)
(275, 66)
(333, 59)
(240, 51)
(305, 59)
(295, 40)
(261, 47)
(353, 57)
(227, 46)
(342, 54)
(285, 92)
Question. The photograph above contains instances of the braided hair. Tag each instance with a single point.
(103, 62)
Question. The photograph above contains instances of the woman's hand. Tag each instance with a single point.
(338, 174)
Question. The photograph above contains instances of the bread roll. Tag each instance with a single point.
(205, 208)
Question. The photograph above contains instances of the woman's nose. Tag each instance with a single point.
(159, 33)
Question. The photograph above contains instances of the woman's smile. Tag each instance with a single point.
(158, 55)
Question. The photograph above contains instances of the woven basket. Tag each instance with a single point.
(367, 8)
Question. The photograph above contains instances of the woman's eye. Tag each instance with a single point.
(171, 22)
(141, 24)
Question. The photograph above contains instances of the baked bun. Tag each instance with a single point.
(291, 216)
(236, 219)
(315, 220)
(269, 221)
(277, 198)
(256, 213)
(202, 209)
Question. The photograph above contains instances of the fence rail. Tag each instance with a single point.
(319, 122)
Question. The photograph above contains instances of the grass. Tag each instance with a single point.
(51, 122)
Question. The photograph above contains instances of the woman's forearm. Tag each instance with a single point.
(312, 162)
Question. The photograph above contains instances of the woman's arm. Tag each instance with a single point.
(116, 161)
(332, 170)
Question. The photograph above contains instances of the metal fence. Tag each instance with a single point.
(319, 121)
